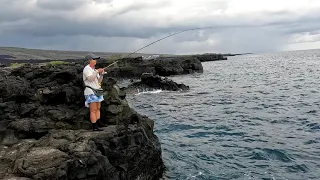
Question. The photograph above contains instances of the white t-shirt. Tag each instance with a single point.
(88, 71)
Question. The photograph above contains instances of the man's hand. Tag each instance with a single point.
(100, 70)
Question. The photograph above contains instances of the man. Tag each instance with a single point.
(93, 77)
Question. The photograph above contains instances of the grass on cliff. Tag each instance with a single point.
(57, 63)
(16, 65)
(51, 64)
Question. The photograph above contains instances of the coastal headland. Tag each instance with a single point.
(45, 128)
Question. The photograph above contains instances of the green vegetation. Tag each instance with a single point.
(16, 65)
(55, 63)
(51, 64)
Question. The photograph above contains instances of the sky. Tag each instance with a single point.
(236, 26)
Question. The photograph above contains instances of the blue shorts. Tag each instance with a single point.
(92, 98)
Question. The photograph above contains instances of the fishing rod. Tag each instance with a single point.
(192, 29)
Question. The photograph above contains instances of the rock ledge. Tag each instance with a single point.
(45, 132)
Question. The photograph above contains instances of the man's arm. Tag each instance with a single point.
(101, 76)
(100, 79)
(91, 76)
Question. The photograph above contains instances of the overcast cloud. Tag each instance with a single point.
(127, 25)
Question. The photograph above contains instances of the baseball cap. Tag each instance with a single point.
(91, 56)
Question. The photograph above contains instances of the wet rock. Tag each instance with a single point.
(150, 82)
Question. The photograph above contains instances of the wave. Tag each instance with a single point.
(149, 92)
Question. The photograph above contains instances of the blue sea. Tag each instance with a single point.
(250, 117)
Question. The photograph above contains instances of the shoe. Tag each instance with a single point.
(95, 127)
(100, 124)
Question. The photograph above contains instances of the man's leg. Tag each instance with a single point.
(98, 110)
(98, 115)
(93, 116)
(93, 112)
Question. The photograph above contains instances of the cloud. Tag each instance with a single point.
(305, 37)
(60, 5)
(122, 25)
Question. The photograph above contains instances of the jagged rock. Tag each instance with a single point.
(15, 88)
(115, 153)
(45, 131)
(150, 82)
(4, 72)
(168, 66)
(35, 164)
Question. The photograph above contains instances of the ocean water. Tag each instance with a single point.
(250, 117)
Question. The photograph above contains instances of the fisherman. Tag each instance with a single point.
(93, 77)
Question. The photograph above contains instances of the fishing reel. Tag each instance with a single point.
(102, 73)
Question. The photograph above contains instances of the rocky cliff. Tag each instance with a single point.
(45, 131)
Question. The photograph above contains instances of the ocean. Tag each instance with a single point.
(250, 117)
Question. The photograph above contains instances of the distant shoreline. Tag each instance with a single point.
(237, 54)
(9, 55)
(8, 62)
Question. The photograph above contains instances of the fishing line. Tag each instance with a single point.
(192, 29)
(199, 28)
(156, 42)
